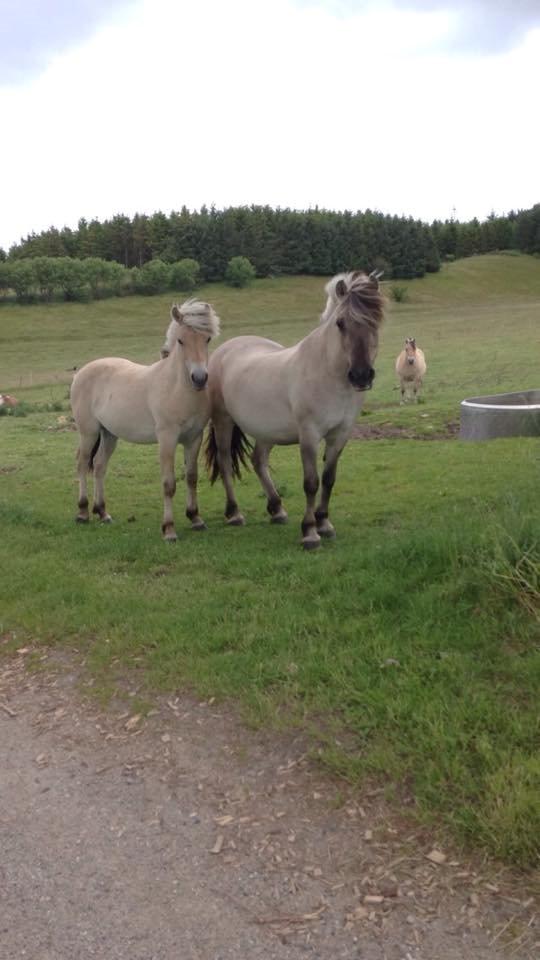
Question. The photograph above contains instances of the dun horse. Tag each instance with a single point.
(410, 368)
(302, 394)
(165, 403)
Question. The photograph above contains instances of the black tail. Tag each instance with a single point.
(241, 450)
(94, 451)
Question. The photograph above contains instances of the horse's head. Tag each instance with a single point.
(355, 310)
(192, 327)
(410, 350)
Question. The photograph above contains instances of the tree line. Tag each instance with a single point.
(276, 242)
(150, 254)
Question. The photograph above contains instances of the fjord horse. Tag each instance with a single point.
(165, 403)
(303, 394)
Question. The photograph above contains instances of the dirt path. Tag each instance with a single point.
(182, 836)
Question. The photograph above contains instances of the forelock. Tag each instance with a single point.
(200, 316)
(362, 301)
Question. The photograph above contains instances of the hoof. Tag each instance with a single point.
(311, 543)
(82, 519)
(327, 531)
(280, 518)
(237, 521)
(200, 525)
(106, 519)
(170, 537)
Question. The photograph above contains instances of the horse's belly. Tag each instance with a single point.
(268, 419)
(128, 419)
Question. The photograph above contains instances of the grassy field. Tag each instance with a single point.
(408, 647)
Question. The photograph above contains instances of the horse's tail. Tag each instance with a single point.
(241, 450)
(93, 453)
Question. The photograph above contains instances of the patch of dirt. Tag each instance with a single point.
(389, 431)
(180, 835)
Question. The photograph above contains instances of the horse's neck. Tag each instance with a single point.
(322, 344)
(174, 372)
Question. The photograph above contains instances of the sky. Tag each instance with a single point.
(426, 108)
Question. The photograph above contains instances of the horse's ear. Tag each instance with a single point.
(341, 288)
(375, 276)
(175, 313)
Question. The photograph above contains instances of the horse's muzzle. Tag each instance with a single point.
(410, 360)
(361, 379)
(199, 380)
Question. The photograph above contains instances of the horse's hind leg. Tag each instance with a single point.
(191, 454)
(274, 505)
(104, 453)
(223, 428)
(87, 445)
(332, 453)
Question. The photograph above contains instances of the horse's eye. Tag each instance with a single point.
(181, 342)
(208, 339)
(341, 324)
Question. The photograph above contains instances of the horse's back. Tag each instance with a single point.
(245, 349)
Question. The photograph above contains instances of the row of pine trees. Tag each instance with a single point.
(319, 242)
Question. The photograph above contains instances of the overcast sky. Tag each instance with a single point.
(417, 107)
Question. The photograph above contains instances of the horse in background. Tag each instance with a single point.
(303, 394)
(410, 368)
(165, 403)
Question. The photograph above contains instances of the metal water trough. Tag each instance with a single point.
(503, 415)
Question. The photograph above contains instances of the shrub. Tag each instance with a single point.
(399, 294)
(117, 280)
(95, 273)
(22, 278)
(71, 277)
(5, 283)
(153, 277)
(240, 272)
(185, 274)
(46, 276)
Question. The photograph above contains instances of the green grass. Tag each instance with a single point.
(412, 640)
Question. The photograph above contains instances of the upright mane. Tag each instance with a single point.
(198, 315)
(359, 294)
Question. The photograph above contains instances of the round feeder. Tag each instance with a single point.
(503, 415)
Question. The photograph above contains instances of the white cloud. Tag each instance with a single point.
(248, 102)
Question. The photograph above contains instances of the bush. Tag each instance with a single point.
(5, 282)
(185, 274)
(71, 277)
(240, 272)
(399, 294)
(21, 278)
(46, 276)
(95, 273)
(153, 277)
(116, 280)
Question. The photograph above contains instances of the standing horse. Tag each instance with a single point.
(166, 402)
(410, 368)
(302, 394)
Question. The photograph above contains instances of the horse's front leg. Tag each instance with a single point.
(308, 452)
(333, 450)
(191, 456)
(167, 451)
